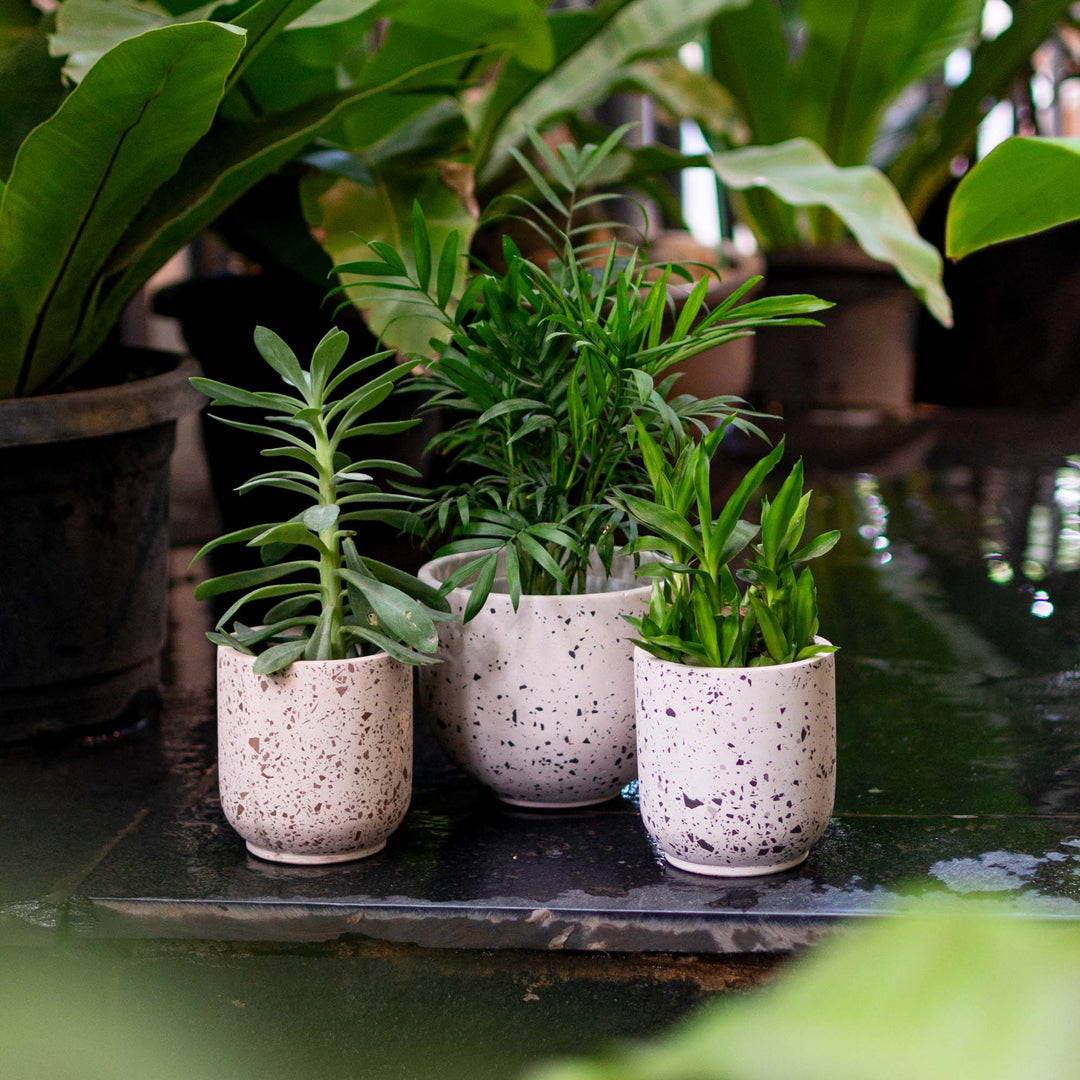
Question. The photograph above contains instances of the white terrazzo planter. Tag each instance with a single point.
(538, 705)
(736, 766)
(315, 763)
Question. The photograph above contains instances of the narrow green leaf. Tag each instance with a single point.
(421, 247)
(485, 578)
(775, 641)
(446, 275)
(244, 579)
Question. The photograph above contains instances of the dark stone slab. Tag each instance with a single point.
(955, 597)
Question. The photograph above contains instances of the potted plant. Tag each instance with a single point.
(162, 120)
(315, 703)
(734, 690)
(543, 372)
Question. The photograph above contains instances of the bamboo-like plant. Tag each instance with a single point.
(336, 602)
(697, 612)
(546, 370)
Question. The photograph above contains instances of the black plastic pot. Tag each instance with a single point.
(84, 487)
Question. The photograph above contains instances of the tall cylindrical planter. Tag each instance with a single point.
(315, 763)
(538, 705)
(736, 766)
(84, 485)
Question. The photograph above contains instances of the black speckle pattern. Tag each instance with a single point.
(736, 775)
(538, 705)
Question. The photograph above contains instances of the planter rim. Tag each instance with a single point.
(539, 599)
(326, 664)
(790, 666)
(105, 410)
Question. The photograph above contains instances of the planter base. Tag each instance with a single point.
(733, 871)
(311, 860)
(527, 804)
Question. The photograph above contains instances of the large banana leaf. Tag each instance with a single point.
(923, 167)
(79, 175)
(801, 174)
(592, 49)
(1023, 186)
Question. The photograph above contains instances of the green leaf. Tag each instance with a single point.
(705, 624)
(508, 406)
(1023, 186)
(279, 657)
(82, 174)
(236, 537)
(295, 605)
(280, 357)
(243, 579)
(543, 558)
(448, 269)
(421, 247)
(485, 578)
(775, 641)
(319, 518)
(387, 645)
(776, 521)
(801, 174)
(290, 533)
(391, 575)
(400, 616)
(665, 523)
(820, 545)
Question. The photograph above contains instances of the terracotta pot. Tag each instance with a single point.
(862, 358)
(315, 763)
(736, 766)
(538, 705)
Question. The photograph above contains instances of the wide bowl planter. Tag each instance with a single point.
(538, 705)
(315, 763)
(84, 484)
(736, 766)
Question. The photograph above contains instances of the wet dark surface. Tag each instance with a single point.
(955, 596)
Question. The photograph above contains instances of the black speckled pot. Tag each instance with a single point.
(538, 705)
(736, 766)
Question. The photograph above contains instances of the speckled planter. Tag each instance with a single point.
(736, 766)
(538, 705)
(315, 763)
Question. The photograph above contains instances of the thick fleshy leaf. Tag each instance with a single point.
(279, 657)
(81, 176)
(400, 616)
(1023, 186)
(800, 173)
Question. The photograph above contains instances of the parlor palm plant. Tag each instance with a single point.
(546, 371)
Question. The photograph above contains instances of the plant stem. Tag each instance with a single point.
(329, 585)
